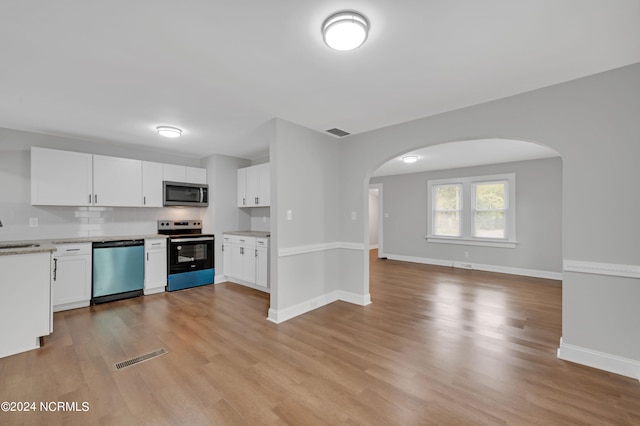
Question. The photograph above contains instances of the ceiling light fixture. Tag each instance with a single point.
(345, 30)
(410, 159)
(169, 132)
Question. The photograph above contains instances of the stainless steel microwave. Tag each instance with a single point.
(185, 194)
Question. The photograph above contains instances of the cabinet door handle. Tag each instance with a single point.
(223, 247)
(257, 200)
(95, 198)
(89, 198)
(241, 250)
(147, 257)
(144, 201)
(256, 252)
(244, 201)
(55, 268)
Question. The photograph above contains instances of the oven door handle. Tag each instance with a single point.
(189, 240)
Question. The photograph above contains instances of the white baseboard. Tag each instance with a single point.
(282, 315)
(354, 298)
(247, 284)
(74, 305)
(373, 246)
(218, 279)
(479, 267)
(155, 290)
(295, 251)
(600, 360)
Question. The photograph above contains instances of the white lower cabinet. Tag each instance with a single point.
(71, 276)
(262, 262)
(155, 265)
(245, 260)
(25, 301)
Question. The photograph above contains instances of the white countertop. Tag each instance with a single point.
(258, 234)
(43, 246)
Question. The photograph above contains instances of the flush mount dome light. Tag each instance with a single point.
(410, 159)
(345, 30)
(169, 132)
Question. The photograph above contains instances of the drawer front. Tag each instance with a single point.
(72, 249)
(155, 243)
(262, 242)
(243, 241)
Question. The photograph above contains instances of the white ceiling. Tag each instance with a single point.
(454, 155)
(111, 71)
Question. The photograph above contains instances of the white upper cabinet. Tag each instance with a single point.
(254, 186)
(242, 188)
(152, 184)
(174, 173)
(65, 178)
(61, 178)
(117, 181)
(196, 175)
(264, 185)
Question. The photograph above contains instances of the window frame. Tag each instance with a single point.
(468, 211)
(459, 210)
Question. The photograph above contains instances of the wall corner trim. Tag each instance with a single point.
(611, 269)
(311, 248)
(282, 315)
(600, 360)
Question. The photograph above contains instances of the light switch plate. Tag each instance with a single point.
(289, 215)
(33, 222)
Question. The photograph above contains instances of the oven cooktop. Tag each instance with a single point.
(181, 228)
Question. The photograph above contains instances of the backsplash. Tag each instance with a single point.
(70, 222)
(260, 219)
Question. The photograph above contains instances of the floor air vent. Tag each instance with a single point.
(338, 132)
(137, 360)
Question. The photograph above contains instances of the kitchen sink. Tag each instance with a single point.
(17, 246)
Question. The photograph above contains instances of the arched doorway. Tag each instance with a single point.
(534, 249)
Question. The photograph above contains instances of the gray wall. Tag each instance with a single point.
(593, 124)
(373, 217)
(538, 217)
(305, 173)
(222, 215)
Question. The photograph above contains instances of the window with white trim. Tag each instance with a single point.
(476, 210)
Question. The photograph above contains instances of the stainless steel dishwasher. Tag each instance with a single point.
(118, 270)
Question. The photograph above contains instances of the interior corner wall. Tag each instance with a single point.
(306, 180)
(538, 219)
(222, 215)
(593, 123)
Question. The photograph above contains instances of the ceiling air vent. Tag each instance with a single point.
(338, 132)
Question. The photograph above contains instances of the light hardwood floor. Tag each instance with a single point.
(436, 346)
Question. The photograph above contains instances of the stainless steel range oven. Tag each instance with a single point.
(190, 257)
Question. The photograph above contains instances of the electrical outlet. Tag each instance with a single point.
(354, 216)
(33, 222)
(289, 215)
